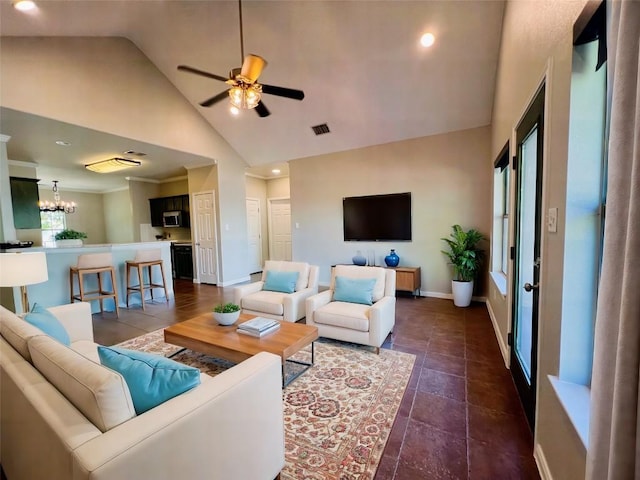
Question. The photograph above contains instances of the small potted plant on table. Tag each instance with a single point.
(69, 238)
(226, 314)
(466, 258)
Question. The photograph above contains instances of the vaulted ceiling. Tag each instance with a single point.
(359, 63)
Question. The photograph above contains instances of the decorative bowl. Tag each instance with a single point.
(226, 318)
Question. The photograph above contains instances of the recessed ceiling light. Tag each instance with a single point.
(234, 110)
(427, 39)
(275, 171)
(24, 5)
(63, 143)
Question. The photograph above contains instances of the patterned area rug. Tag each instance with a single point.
(337, 415)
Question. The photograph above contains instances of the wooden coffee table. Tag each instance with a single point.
(204, 335)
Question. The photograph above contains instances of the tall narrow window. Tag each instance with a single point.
(500, 244)
(586, 170)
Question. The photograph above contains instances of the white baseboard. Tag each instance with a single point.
(541, 461)
(448, 296)
(234, 282)
(504, 348)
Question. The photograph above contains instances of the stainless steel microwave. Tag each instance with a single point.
(172, 219)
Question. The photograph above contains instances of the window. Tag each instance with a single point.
(52, 223)
(584, 222)
(500, 244)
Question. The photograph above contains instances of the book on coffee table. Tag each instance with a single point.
(255, 333)
(257, 324)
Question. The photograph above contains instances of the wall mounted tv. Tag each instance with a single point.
(377, 218)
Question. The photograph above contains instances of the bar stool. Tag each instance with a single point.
(94, 263)
(145, 258)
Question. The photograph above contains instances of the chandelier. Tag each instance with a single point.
(57, 205)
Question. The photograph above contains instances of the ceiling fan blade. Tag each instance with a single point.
(252, 67)
(261, 110)
(283, 92)
(216, 99)
(185, 68)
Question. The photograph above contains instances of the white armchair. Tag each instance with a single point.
(254, 299)
(356, 322)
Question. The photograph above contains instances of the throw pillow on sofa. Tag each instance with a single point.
(47, 322)
(152, 379)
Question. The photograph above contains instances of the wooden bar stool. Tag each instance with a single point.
(145, 258)
(94, 263)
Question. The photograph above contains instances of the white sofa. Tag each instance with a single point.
(229, 426)
(288, 307)
(356, 322)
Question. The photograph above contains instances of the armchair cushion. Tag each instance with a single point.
(264, 301)
(152, 379)
(354, 316)
(280, 281)
(48, 323)
(354, 290)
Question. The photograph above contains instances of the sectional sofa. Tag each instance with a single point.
(63, 416)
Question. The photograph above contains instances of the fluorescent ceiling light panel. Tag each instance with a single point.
(112, 165)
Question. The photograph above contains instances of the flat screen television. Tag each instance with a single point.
(377, 218)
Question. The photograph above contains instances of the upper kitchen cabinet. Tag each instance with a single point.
(169, 204)
(157, 207)
(25, 198)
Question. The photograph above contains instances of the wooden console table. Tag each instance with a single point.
(408, 279)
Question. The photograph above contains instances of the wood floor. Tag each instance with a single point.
(460, 417)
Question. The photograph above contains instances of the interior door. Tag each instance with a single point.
(526, 278)
(206, 250)
(280, 229)
(254, 227)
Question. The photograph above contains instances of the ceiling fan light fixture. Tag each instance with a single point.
(245, 96)
(112, 165)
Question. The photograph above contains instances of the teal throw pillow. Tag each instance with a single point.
(354, 290)
(278, 281)
(47, 322)
(152, 379)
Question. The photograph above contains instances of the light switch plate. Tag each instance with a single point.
(552, 220)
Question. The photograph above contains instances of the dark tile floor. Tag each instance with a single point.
(460, 417)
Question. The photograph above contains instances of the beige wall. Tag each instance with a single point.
(139, 195)
(175, 187)
(118, 217)
(447, 176)
(278, 188)
(537, 41)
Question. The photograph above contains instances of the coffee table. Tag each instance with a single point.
(204, 335)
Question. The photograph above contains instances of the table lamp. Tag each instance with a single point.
(19, 269)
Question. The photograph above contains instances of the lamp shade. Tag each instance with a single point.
(22, 268)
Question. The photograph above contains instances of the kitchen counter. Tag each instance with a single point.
(55, 291)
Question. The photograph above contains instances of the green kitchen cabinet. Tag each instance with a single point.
(25, 198)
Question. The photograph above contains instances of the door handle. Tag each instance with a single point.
(528, 287)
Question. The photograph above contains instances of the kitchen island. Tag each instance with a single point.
(55, 291)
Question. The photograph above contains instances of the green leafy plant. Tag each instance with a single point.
(226, 308)
(69, 234)
(464, 254)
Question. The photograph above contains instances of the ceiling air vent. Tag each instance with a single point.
(137, 154)
(321, 129)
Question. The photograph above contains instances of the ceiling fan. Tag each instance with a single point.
(245, 92)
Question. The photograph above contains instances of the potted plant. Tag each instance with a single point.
(466, 258)
(69, 238)
(226, 313)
